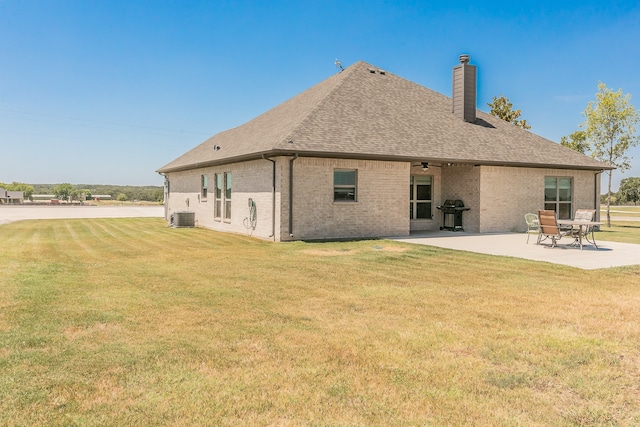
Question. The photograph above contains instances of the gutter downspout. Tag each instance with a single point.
(273, 198)
(165, 195)
(295, 156)
(596, 196)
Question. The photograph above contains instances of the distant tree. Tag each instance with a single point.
(576, 141)
(610, 129)
(122, 197)
(43, 188)
(75, 194)
(157, 195)
(614, 198)
(502, 108)
(86, 194)
(629, 190)
(63, 191)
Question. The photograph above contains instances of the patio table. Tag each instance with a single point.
(581, 224)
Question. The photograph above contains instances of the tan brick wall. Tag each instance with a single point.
(509, 193)
(381, 209)
(498, 197)
(463, 182)
(249, 180)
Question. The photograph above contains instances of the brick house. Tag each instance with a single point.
(366, 153)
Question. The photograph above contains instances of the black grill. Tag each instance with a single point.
(452, 214)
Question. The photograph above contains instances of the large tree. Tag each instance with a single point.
(629, 190)
(576, 141)
(610, 129)
(502, 108)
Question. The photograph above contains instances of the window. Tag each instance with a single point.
(217, 208)
(222, 204)
(344, 185)
(421, 191)
(227, 196)
(204, 183)
(558, 195)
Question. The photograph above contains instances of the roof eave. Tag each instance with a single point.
(361, 156)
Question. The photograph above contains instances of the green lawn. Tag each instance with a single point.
(620, 231)
(621, 210)
(127, 322)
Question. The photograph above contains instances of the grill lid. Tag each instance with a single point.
(451, 204)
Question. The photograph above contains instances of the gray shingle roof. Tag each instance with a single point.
(362, 114)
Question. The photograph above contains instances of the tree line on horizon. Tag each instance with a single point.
(66, 191)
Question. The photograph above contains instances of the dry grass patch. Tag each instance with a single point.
(346, 251)
(128, 322)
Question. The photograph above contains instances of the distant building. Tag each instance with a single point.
(11, 197)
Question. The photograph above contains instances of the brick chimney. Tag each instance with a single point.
(464, 90)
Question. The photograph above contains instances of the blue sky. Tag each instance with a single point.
(106, 92)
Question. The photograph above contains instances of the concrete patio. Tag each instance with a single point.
(608, 254)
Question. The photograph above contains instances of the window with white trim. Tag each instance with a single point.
(558, 193)
(345, 185)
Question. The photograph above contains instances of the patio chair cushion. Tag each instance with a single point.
(549, 227)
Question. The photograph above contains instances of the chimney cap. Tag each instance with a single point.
(464, 58)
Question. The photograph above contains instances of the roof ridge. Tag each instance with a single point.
(348, 72)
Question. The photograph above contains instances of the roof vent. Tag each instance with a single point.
(371, 70)
(383, 72)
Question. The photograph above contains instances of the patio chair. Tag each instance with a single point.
(582, 215)
(549, 227)
(533, 225)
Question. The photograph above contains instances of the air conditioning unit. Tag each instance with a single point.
(183, 219)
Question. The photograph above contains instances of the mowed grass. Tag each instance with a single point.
(620, 231)
(620, 211)
(127, 322)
